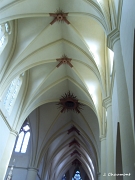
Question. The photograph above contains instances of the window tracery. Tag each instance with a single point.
(12, 93)
(23, 139)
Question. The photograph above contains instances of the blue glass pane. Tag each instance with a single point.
(77, 176)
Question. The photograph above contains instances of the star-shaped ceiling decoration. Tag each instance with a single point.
(64, 60)
(59, 16)
(69, 102)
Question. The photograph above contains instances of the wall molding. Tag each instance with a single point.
(5, 120)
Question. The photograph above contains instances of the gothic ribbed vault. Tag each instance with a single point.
(37, 44)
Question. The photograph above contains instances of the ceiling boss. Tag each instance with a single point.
(59, 16)
(69, 102)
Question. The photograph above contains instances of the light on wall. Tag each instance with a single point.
(111, 56)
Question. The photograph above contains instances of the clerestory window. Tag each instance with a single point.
(12, 93)
(23, 139)
(4, 32)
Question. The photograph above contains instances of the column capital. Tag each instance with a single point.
(13, 132)
(102, 137)
(113, 37)
(107, 102)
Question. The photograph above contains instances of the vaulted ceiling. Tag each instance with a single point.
(33, 49)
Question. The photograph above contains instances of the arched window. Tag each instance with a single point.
(23, 139)
(4, 32)
(77, 176)
(12, 93)
(19, 142)
(25, 142)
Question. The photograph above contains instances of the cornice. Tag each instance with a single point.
(107, 102)
(15, 133)
(5, 120)
(112, 38)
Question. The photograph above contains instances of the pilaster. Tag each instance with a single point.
(99, 175)
(103, 157)
(127, 139)
(107, 103)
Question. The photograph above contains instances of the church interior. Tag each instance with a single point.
(67, 86)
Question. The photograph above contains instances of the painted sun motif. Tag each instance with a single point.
(69, 102)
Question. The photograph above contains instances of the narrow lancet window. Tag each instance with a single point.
(23, 139)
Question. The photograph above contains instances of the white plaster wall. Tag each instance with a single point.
(4, 133)
(115, 116)
(127, 37)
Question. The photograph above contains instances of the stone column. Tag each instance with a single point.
(7, 154)
(32, 173)
(126, 130)
(103, 159)
(109, 139)
(99, 176)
